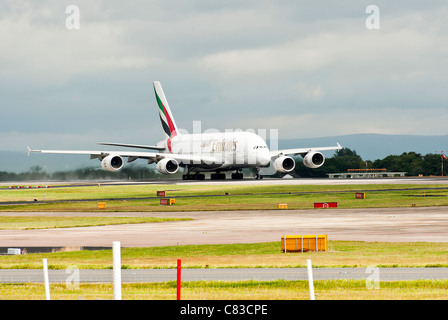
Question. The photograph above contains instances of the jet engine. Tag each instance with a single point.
(167, 166)
(284, 164)
(112, 163)
(313, 159)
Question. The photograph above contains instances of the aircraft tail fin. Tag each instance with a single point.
(168, 123)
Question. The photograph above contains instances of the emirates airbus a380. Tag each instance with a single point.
(203, 152)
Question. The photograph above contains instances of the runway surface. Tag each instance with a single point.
(409, 224)
(246, 181)
(240, 274)
(213, 227)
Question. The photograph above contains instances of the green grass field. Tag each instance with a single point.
(243, 290)
(204, 197)
(260, 255)
(254, 255)
(39, 222)
(340, 254)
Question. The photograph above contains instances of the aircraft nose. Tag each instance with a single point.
(264, 157)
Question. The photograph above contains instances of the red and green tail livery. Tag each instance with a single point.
(168, 124)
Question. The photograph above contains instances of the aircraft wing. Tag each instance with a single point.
(152, 156)
(160, 148)
(302, 151)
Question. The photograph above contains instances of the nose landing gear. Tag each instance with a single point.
(258, 175)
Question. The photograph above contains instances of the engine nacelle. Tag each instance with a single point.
(112, 163)
(167, 166)
(284, 164)
(313, 159)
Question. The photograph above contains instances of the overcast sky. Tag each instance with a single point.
(307, 68)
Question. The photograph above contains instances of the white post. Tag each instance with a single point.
(117, 270)
(46, 280)
(310, 278)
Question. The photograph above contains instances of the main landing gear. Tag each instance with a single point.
(218, 176)
(237, 175)
(194, 176)
(213, 176)
(222, 176)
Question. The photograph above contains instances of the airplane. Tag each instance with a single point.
(215, 152)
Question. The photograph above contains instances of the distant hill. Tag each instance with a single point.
(375, 146)
(20, 162)
(368, 146)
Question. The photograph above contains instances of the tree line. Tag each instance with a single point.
(37, 173)
(412, 163)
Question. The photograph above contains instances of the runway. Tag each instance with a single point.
(213, 227)
(408, 224)
(245, 181)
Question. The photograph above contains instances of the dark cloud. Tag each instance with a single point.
(228, 63)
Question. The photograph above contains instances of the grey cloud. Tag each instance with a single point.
(222, 62)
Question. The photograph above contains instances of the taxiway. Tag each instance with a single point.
(214, 227)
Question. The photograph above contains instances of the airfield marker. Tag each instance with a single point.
(179, 268)
(117, 270)
(46, 280)
(310, 278)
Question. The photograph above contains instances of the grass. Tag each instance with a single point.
(243, 290)
(45, 222)
(256, 255)
(260, 255)
(212, 197)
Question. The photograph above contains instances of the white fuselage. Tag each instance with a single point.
(226, 150)
(197, 152)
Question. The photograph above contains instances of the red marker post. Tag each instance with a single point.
(178, 278)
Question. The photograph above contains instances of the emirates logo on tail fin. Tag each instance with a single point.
(166, 118)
